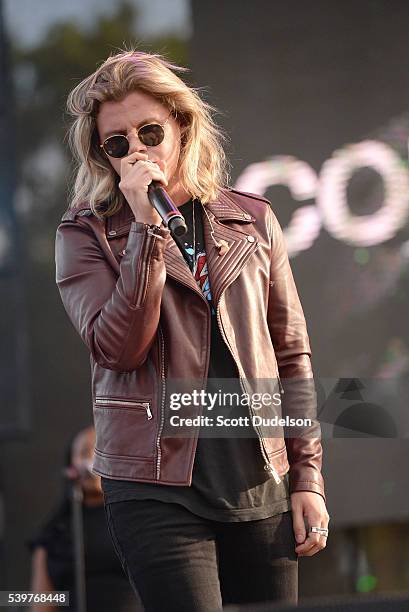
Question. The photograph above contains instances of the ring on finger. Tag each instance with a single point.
(132, 163)
(320, 530)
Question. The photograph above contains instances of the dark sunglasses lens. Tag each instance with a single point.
(116, 146)
(151, 135)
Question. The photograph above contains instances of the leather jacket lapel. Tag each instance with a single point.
(177, 268)
(222, 269)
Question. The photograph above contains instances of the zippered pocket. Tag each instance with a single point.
(124, 427)
(122, 403)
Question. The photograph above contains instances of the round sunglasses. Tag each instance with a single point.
(151, 135)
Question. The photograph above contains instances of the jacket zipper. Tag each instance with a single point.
(267, 465)
(162, 404)
(162, 373)
(145, 267)
(279, 382)
(107, 401)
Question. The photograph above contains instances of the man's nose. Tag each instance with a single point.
(135, 144)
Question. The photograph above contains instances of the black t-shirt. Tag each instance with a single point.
(107, 587)
(229, 482)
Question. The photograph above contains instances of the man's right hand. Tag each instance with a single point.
(137, 172)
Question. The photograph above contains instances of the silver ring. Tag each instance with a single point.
(321, 530)
(144, 160)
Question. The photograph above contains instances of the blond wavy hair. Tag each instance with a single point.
(203, 166)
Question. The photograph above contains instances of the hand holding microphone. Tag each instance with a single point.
(137, 172)
(162, 203)
(142, 183)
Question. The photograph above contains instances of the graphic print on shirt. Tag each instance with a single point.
(200, 273)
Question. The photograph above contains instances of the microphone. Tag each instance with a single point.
(162, 203)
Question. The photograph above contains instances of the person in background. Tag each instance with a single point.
(52, 550)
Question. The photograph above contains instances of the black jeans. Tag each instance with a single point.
(178, 561)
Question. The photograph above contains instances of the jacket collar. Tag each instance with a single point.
(226, 209)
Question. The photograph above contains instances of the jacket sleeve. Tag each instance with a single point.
(289, 335)
(117, 317)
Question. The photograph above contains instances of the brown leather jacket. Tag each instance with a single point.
(133, 299)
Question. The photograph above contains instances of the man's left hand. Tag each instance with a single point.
(312, 506)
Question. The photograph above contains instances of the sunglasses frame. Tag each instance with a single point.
(162, 125)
